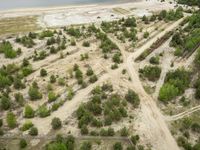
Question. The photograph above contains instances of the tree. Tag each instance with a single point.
(22, 143)
(145, 19)
(29, 112)
(117, 146)
(130, 22)
(56, 123)
(43, 72)
(33, 131)
(11, 120)
(162, 15)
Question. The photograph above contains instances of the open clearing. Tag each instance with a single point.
(98, 74)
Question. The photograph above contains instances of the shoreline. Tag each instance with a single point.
(83, 14)
(69, 6)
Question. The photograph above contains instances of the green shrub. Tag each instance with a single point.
(52, 96)
(43, 72)
(7, 49)
(11, 120)
(117, 146)
(56, 123)
(124, 132)
(152, 73)
(154, 60)
(132, 97)
(27, 70)
(90, 72)
(5, 103)
(29, 112)
(61, 81)
(52, 79)
(135, 139)
(146, 35)
(116, 58)
(43, 111)
(111, 132)
(86, 44)
(34, 93)
(167, 92)
(93, 79)
(26, 126)
(22, 143)
(33, 131)
(86, 146)
(19, 98)
(56, 146)
(84, 130)
(175, 84)
(130, 22)
(1, 122)
(4, 81)
(1, 132)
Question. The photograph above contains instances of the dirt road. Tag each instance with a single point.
(151, 123)
(183, 114)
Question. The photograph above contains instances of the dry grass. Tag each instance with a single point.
(18, 25)
(119, 10)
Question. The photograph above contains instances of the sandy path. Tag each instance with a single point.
(166, 66)
(152, 123)
(183, 114)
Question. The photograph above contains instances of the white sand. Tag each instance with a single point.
(60, 16)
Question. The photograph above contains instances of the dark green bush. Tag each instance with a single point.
(56, 123)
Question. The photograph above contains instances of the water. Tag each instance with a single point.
(19, 4)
